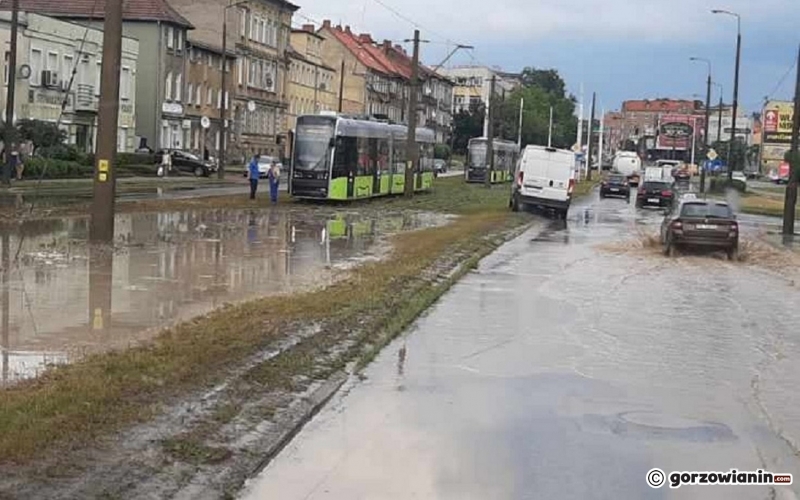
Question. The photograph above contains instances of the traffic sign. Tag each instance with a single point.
(711, 155)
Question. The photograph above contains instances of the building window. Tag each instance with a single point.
(189, 93)
(251, 74)
(179, 45)
(253, 28)
(66, 71)
(243, 22)
(5, 67)
(36, 67)
(97, 76)
(210, 97)
(199, 97)
(168, 87)
(178, 87)
(227, 101)
(52, 61)
(125, 84)
(240, 70)
(170, 37)
(219, 99)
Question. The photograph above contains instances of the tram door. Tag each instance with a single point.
(374, 166)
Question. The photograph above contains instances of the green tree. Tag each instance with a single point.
(536, 117)
(466, 125)
(737, 152)
(42, 134)
(546, 79)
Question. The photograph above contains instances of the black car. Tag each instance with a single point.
(187, 162)
(699, 223)
(655, 193)
(616, 185)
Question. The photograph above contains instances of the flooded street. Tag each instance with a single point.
(63, 298)
(571, 362)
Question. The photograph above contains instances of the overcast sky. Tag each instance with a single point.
(622, 49)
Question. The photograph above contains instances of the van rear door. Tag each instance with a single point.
(547, 173)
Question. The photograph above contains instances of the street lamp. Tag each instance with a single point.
(223, 111)
(719, 111)
(735, 79)
(708, 111)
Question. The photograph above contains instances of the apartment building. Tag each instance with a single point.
(49, 52)
(204, 97)
(258, 33)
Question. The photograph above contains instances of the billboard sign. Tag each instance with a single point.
(676, 131)
(778, 116)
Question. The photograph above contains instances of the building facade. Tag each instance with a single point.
(258, 32)
(49, 52)
(374, 85)
(311, 85)
(161, 33)
(472, 85)
(204, 98)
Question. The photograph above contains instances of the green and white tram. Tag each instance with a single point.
(340, 158)
(506, 154)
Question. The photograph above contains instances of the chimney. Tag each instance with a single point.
(347, 30)
(326, 23)
(365, 38)
(387, 45)
(399, 48)
(308, 27)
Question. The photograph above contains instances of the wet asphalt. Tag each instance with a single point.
(562, 369)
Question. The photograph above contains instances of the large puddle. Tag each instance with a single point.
(63, 298)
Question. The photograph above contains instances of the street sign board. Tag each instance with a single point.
(711, 155)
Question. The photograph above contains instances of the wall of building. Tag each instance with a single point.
(354, 94)
(205, 98)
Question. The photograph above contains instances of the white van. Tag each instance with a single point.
(544, 177)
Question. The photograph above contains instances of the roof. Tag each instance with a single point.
(361, 47)
(660, 105)
(133, 10)
(294, 54)
(307, 32)
(193, 42)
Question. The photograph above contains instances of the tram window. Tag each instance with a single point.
(346, 156)
(364, 158)
(383, 155)
(399, 158)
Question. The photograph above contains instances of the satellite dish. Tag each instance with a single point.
(268, 81)
(251, 106)
(205, 122)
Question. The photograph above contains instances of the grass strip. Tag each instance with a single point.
(71, 405)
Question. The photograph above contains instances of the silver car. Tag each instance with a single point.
(264, 162)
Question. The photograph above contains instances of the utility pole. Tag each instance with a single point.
(223, 114)
(579, 139)
(550, 130)
(601, 141)
(519, 132)
(341, 86)
(790, 200)
(101, 229)
(589, 140)
(5, 329)
(732, 164)
(490, 137)
(705, 133)
(412, 151)
(10, 95)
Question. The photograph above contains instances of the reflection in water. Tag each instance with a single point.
(4, 332)
(64, 298)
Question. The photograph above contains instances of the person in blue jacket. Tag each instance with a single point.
(253, 174)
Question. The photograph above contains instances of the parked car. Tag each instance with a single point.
(739, 176)
(681, 173)
(439, 167)
(616, 185)
(655, 193)
(696, 223)
(183, 161)
(264, 162)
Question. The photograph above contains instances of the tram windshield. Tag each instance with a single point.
(477, 155)
(311, 145)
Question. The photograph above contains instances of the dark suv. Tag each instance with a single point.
(616, 185)
(655, 193)
(701, 224)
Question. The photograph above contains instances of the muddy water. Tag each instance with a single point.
(65, 298)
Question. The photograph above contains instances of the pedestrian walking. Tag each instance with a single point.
(274, 176)
(253, 174)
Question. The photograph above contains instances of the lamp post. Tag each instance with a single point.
(224, 111)
(735, 80)
(707, 118)
(719, 112)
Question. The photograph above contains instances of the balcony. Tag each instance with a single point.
(85, 101)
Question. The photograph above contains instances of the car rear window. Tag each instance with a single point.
(714, 210)
(616, 178)
(657, 185)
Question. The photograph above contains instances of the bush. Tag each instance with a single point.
(125, 159)
(66, 152)
(147, 170)
(55, 169)
(722, 184)
(441, 151)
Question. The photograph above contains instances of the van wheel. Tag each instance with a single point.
(669, 247)
(199, 172)
(515, 204)
(733, 254)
